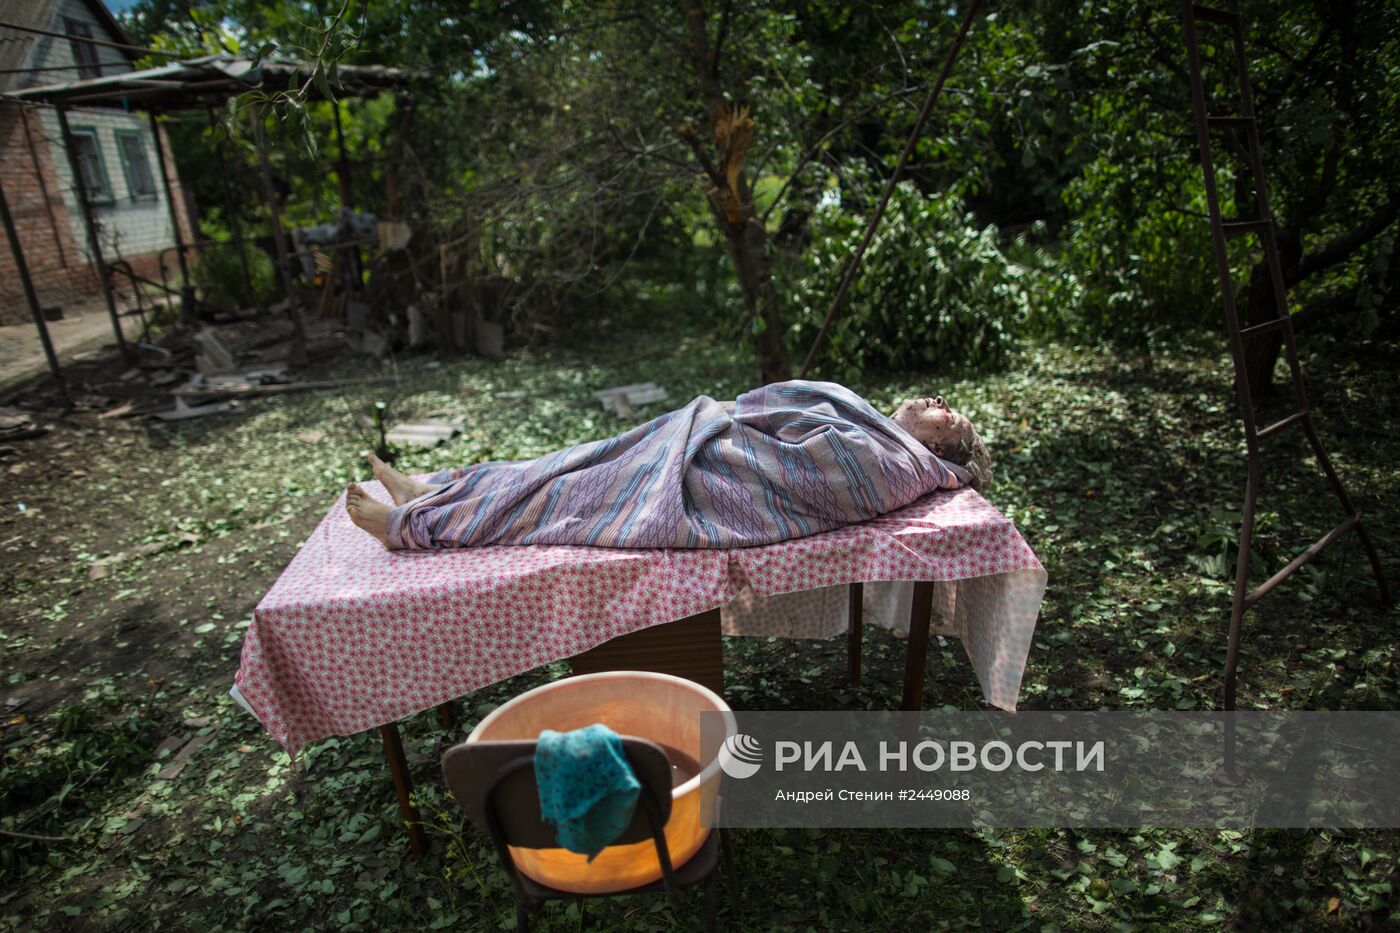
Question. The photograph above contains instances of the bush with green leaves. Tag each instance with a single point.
(1145, 271)
(935, 290)
(218, 272)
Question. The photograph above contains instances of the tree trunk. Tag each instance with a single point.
(1261, 352)
(731, 199)
(748, 250)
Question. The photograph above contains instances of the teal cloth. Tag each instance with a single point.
(587, 787)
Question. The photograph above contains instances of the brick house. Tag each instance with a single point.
(115, 149)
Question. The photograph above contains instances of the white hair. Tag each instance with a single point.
(972, 455)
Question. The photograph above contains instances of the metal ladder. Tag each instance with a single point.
(1194, 14)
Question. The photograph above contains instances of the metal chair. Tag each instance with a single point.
(494, 783)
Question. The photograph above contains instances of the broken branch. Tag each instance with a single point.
(35, 837)
(277, 389)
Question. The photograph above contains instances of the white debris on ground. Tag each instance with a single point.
(425, 433)
(621, 400)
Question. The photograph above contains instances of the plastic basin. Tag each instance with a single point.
(659, 707)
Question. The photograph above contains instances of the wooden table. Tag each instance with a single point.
(690, 648)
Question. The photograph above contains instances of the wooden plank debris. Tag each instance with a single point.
(11, 418)
(393, 234)
(182, 758)
(269, 375)
(622, 399)
(205, 391)
(214, 355)
(17, 425)
(425, 433)
(184, 411)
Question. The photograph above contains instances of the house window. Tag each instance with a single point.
(131, 146)
(88, 154)
(84, 53)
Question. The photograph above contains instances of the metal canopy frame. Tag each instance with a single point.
(199, 83)
(1263, 227)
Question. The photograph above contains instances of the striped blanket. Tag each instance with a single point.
(791, 459)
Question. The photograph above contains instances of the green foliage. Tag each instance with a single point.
(1218, 544)
(1117, 477)
(57, 779)
(550, 130)
(1140, 270)
(219, 274)
(935, 290)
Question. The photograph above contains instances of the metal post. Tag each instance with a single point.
(342, 177)
(43, 187)
(235, 225)
(23, 269)
(90, 226)
(342, 165)
(187, 310)
(298, 354)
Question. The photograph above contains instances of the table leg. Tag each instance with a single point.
(916, 652)
(403, 786)
(855, 623)
(447, 714)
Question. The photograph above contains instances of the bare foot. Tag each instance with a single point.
(401, 488)
(368, 513)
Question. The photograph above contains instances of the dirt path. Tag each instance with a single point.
(22, 355)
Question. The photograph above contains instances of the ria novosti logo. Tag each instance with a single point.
(740, 756)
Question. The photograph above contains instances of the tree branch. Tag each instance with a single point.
(815, 149)
(720, 36)
(35, 837)
(1266, 99)
(692, 139)
(647, 151)
(1291, 237)
(1340, 248)
(1158, 46)
(698, 48)
(1323, 308)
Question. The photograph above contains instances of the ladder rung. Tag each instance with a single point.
(1283, 423)
(1301, 559)
(1230, 123)
(1246, 227)
(1264, 328)
(1210, 14)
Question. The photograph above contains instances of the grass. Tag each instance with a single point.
(1122, 475)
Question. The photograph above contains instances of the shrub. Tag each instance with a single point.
(1146, 268)
(218, 272)
(935, 289)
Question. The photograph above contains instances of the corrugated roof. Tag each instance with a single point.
(209, 81)
(17, 50)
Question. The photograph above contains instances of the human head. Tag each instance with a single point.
(948, 434)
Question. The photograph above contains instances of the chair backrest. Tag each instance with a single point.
(496, 781)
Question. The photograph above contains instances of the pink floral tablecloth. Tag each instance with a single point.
(353, 636)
